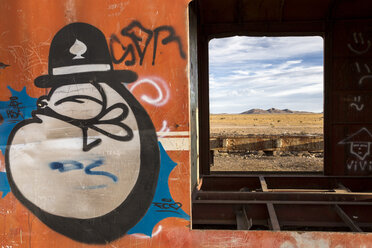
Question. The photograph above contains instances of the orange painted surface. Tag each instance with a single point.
(26, 47)
(26, 31)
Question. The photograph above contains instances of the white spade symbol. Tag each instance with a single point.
(78, 48)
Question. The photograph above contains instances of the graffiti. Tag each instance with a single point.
(141, 37)
(26, 105)
(159, 85)
(154, 234)
(359, 147)
(367, 72)
(14, 109)
(58, 105)
(164, 129)
(359, 46)
(166, 205)
(69, 165)
(28, 56)
(97, 163)
(3, 66)
(359, 143)
(4, 185)
(353, 165)
(366, 67)
(78, 49)
(61, 166)
(162, 200)
(87, 114)
(356, 104)
(116, 9)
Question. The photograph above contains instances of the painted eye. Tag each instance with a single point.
(42, 102)
(77, 99)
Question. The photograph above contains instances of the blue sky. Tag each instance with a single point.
(266, 72)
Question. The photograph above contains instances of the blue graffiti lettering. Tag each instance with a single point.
(98, 163)
(75, 165)
(163, 205)
(61, 166)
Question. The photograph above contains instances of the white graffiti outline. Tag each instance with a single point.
(367, 68)
(357, 155)
(354, 104)
(360, 71)
(358, 67)
(352, 143)
(363, 78)
(358, 108)
(357, 42)
(162, 98)
(363, 165)
(144, 236)
(164, 129)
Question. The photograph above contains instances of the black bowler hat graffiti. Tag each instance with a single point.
(79, 52)
(90, 169)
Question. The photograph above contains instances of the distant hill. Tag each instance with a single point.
(273, 111)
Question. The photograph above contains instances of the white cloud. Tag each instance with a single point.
(265, 72)
(240, 48)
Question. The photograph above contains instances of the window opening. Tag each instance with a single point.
(266, 103)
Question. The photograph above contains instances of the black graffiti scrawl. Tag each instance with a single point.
(141, 37)
(87, 162)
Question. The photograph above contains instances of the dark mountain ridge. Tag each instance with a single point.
(273, 111)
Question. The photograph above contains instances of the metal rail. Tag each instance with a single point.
(282, 202)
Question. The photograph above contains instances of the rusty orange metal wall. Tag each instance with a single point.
(26, 32)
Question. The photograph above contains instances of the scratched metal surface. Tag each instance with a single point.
(149, 40)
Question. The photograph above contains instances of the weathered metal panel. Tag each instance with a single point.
(350, 91)
(95, 130)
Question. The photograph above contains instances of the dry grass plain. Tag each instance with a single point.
(268, 124)
(238, 124)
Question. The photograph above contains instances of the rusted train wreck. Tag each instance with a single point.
(104, 122)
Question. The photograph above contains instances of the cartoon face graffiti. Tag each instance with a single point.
(359, 143)
(360, 150)
(87, 163)
(65, 100)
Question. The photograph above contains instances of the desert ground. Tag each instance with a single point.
(234, 125)
(239, 124)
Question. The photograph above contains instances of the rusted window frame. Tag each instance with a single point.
(280, 29)
(276, 201)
